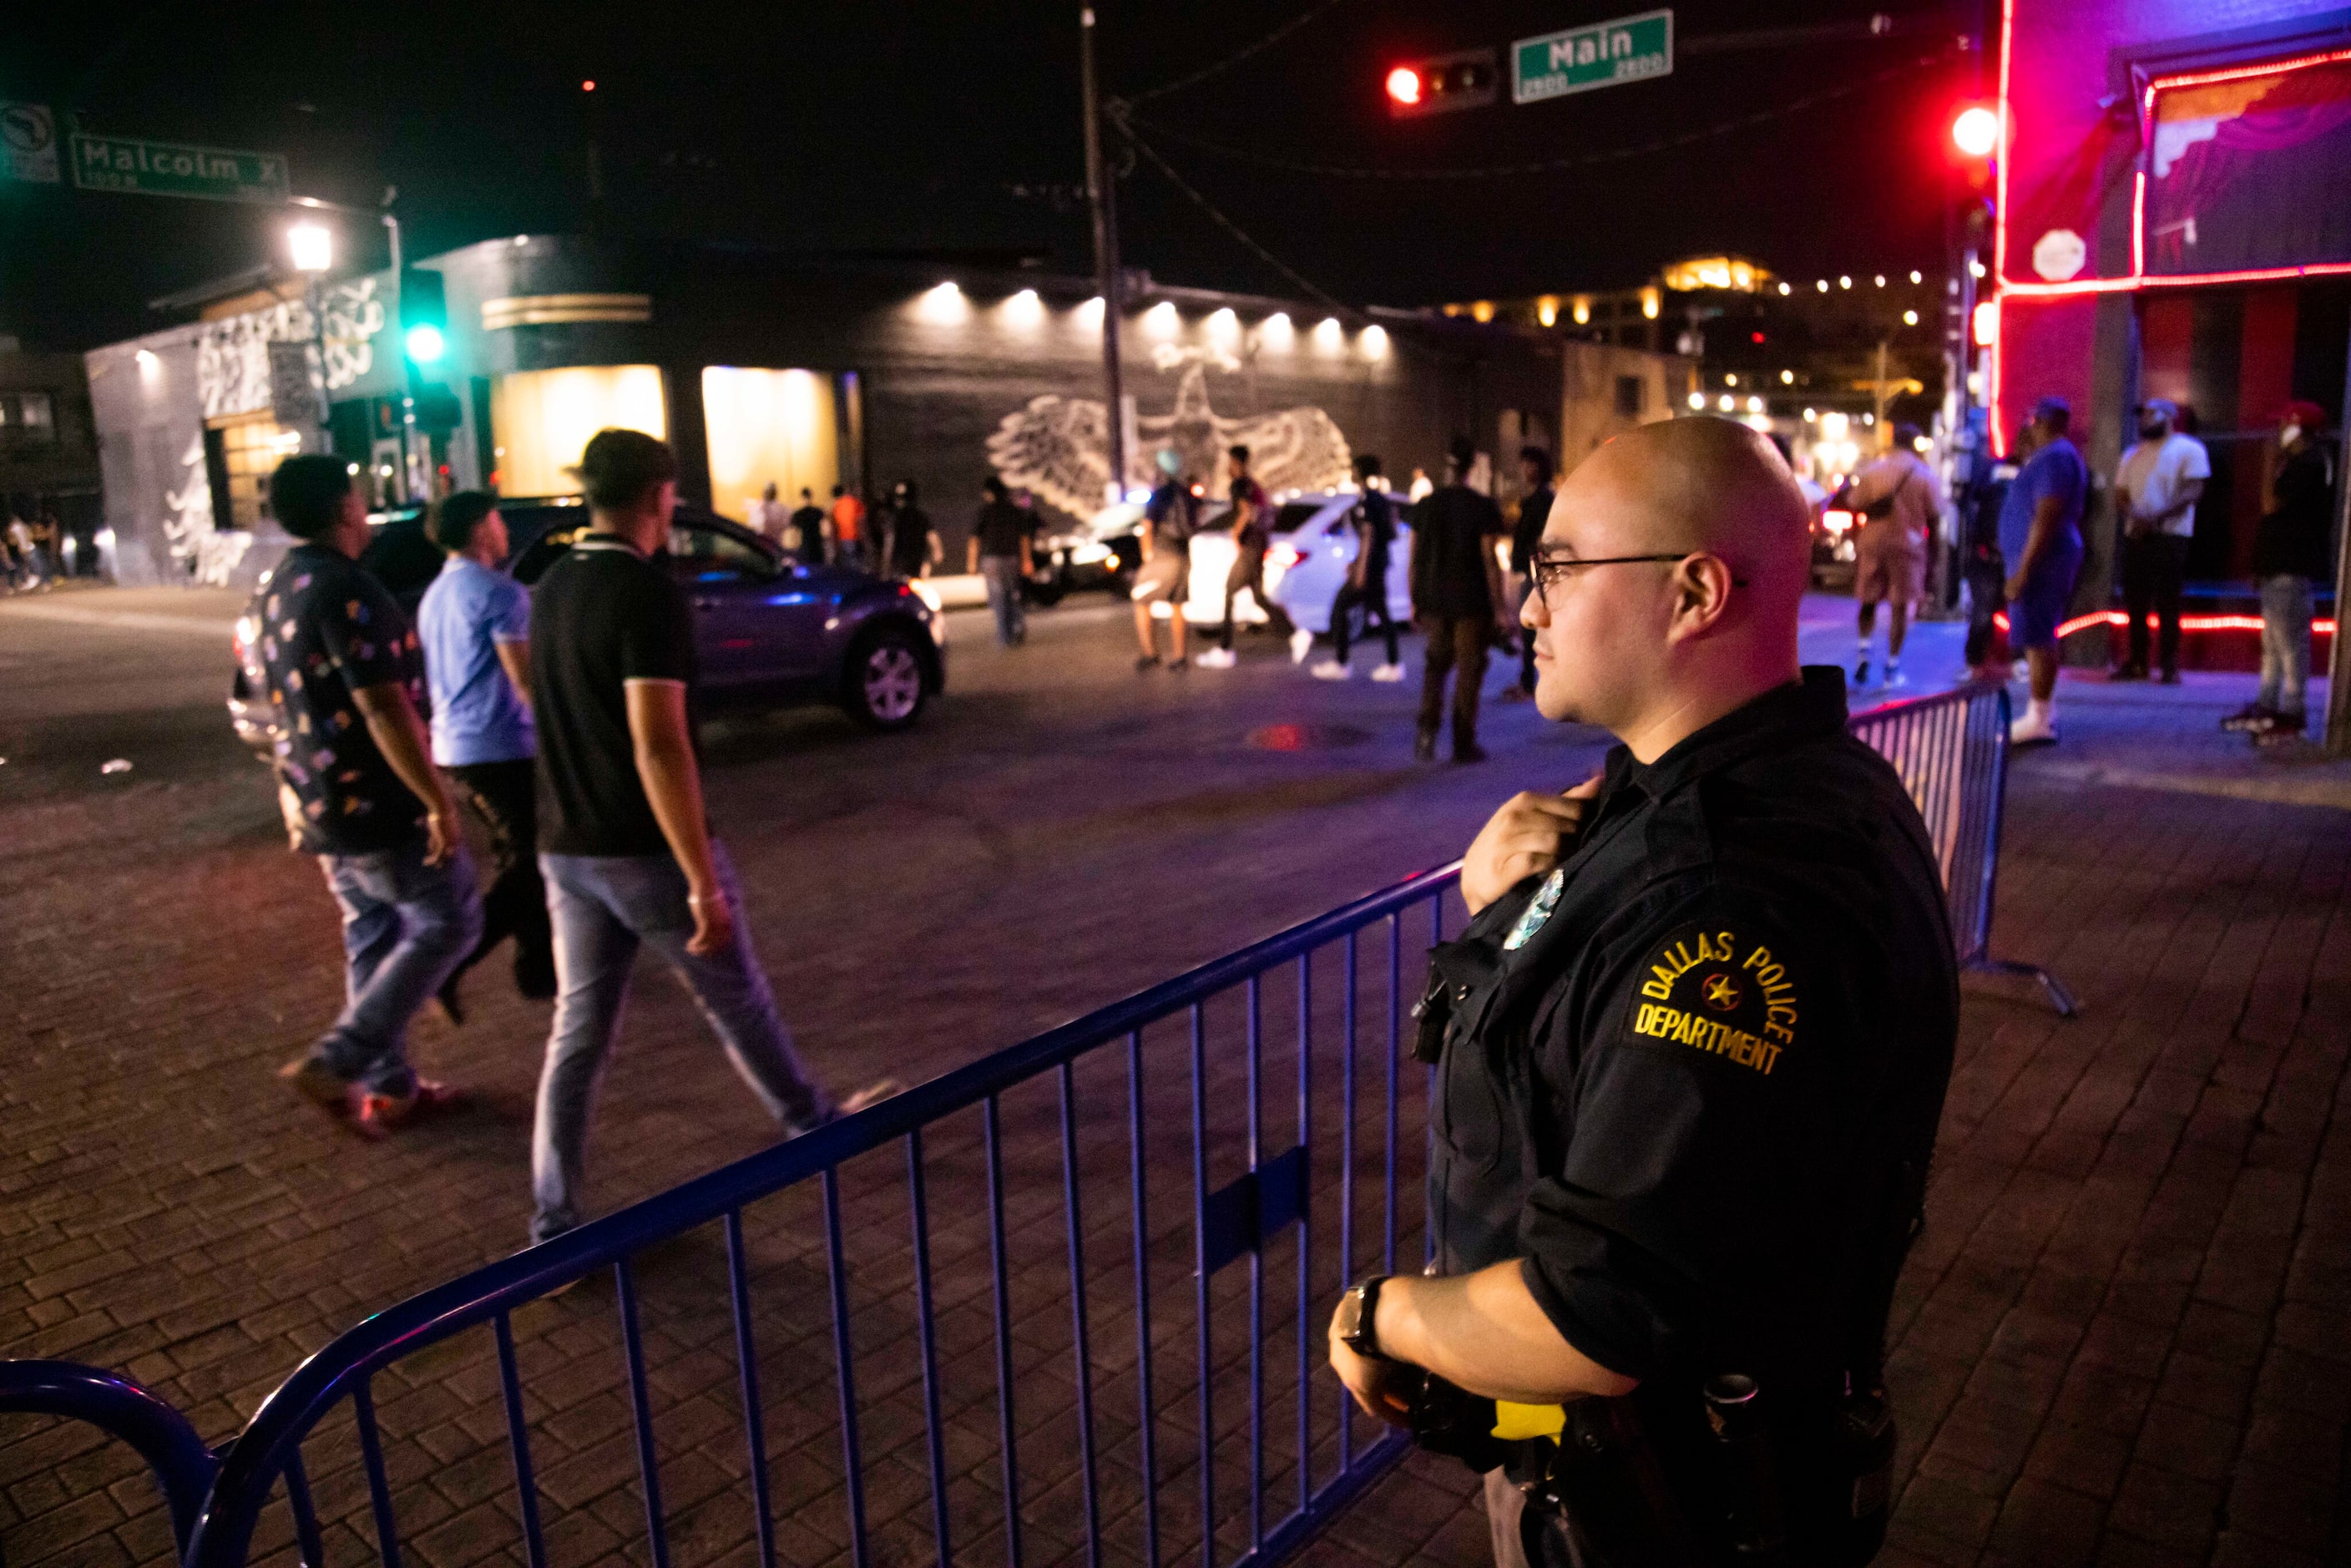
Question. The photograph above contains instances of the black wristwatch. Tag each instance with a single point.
(1358, 1315)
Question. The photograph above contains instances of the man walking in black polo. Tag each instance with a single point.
(1457, 596)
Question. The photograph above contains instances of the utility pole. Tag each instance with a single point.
(1100, 192)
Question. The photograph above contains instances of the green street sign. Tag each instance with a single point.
(1606, 54)
(136, 166)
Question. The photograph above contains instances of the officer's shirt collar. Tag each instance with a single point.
(1811, 706)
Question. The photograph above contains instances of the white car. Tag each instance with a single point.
(1314, 546)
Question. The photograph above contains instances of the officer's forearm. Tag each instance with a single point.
(1485, 1332)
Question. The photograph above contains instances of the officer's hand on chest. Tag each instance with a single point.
(1529, 836)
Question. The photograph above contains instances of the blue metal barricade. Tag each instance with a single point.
(903, 1315)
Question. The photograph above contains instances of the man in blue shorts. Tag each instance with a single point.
(2041, 537)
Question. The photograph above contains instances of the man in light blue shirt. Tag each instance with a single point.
(475, 624)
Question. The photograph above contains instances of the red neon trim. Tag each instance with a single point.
(1999, 423)
(2138, 222)
(2085, 286)
(2244, 73)
(2320, 626)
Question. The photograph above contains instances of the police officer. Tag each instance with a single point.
(1691, 1051)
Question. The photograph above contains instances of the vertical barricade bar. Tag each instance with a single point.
(1256, 1275)
(387, 1528)
(1146, 1404)
(648, 1466)
(1428, 1089)
(837, 1273)
(1395, 1074)
(926, 1332)
(994, 1133)
(747, 1357)
(534, 1541)
(1085, 1367)
(1200, 1287)
(308, 1544)
(1347, 1177)
(1305, 1227)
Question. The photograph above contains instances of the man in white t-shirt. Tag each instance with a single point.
(768, 517)
(2155, 492)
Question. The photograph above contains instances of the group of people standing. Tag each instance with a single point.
(563, 721)
(2025, 551)
(1460, 602)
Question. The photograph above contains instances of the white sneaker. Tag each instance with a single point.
(1388, 674)
(2033, 729)
(1332, 670)
(1215, 659)
(1301, 643)
(1895, 679)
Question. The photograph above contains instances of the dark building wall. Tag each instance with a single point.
(940, 375)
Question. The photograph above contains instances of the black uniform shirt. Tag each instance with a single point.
(1452, 530)
(1690, 1096)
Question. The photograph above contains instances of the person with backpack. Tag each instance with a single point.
(1166, 538)
(1898, 499)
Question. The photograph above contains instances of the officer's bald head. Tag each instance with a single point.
(1643, 647)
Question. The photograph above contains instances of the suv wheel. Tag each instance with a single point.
(884, 686)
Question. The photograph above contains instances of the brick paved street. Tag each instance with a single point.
(2123, 1339)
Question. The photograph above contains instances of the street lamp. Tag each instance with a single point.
(313, 247)
(1976, 131)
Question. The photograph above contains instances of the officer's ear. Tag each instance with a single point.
(1702, 584)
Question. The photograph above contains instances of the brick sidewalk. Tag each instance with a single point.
(2126, 1337)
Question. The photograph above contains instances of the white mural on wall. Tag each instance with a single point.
(1060, 447)
(198, 545)
(232, 353)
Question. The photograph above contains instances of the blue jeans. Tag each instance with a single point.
(1002, 575)
(606, 907)
(2285, 642)
(406, 927)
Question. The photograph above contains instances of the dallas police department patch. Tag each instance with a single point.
(1713, 990)
(1537, 910)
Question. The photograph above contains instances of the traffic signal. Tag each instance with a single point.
(426, 344)
(423, 322)
(1976, 131)
(1466, 78)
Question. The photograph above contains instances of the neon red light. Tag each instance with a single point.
(1403, 85)
(2139, 224)
(2320, 626)
(2244, 73)
(1985, 327)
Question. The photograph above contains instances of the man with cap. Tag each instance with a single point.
(2040, 539)
(2291, 555)
(1166, 538)
(2155, 490)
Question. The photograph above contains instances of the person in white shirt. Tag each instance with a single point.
(2155, 492)
(768, 517)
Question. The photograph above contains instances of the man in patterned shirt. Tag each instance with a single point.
(358, 786)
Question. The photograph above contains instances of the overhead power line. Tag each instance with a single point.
(1237, 56)
(1297, 279)
(1540, 166)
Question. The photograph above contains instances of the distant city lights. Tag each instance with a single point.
(1909, 317)
(1698, 400)
(1917, 277)
(1727, 403)
(1787, 378)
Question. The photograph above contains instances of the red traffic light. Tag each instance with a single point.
(1466, 78)
(1976, 131)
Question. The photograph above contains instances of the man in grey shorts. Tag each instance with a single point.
(1166, 539)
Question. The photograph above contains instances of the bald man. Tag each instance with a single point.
(1691, 1051)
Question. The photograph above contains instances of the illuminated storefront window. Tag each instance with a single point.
(768, 427)
(251, 449)
(541, 420)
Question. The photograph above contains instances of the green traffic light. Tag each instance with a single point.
(425, 344)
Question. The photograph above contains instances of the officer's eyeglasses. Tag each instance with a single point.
(1549, 570)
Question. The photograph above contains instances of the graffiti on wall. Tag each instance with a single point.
(198, 545)
(1060, 447)
(232, 353)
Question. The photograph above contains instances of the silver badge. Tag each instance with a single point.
(1537, 910)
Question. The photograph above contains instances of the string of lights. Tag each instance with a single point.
(1540, 166)
(1236, 56)
(1297, 279)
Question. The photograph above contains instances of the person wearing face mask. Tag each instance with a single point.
(2156, 491)
(2290, 554)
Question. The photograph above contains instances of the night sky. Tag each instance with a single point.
(952, 130)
